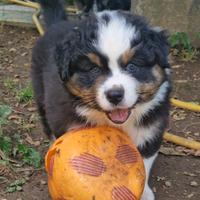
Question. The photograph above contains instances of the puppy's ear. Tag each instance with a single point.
(62, 63)
(65, 51)
(160, 45)
(164, 48)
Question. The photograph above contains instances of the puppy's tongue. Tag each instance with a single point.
(119, 116)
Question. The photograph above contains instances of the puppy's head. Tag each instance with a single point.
(118, 64)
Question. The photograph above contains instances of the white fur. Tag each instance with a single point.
(115, 37)
(139, 135)
(148, 193)
(141, 109)
(168, 71)
(118, 79)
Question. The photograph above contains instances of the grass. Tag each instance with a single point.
(191, 55)
(14, 147)
(25, 95)
(19, 151)
(29, 155)
(5, 111)
(9, 84)
(181, 42)
(5, 145)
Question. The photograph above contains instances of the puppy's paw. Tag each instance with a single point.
(148, 194)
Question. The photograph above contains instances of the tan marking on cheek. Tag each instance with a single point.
(127, 56)
(94, 59)
(147, 90)
(158, 73)
(88, 95)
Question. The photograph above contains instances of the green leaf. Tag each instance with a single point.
(5, 145)
(4, 113)
(22, 148)
(10, 189)
(32, 157)
(16, 185)
(19, 188)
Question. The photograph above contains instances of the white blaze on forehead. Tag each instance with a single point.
(115, 37)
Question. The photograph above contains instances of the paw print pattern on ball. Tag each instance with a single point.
(88, 164)
(126, 155)
(122, 193)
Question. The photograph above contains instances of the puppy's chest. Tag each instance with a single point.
(139, 135)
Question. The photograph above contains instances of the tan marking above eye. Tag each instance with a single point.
(94, 59)
(127, 56)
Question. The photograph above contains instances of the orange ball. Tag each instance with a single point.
(95, 164)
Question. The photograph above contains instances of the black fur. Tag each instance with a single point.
(53, 11)
(119, 4)
(151, 147)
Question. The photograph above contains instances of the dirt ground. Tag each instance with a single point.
(175, 177)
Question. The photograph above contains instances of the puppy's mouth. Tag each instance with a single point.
(119, 116)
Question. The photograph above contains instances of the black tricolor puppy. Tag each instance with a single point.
(108, 69)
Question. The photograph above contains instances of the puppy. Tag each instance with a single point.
(108, 69)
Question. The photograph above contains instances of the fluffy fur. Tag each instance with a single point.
(108, 69)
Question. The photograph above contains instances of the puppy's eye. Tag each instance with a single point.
(95, 70)
(132, 68)
(85, 68)
(90, 68)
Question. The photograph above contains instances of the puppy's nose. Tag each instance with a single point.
(115, 96)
